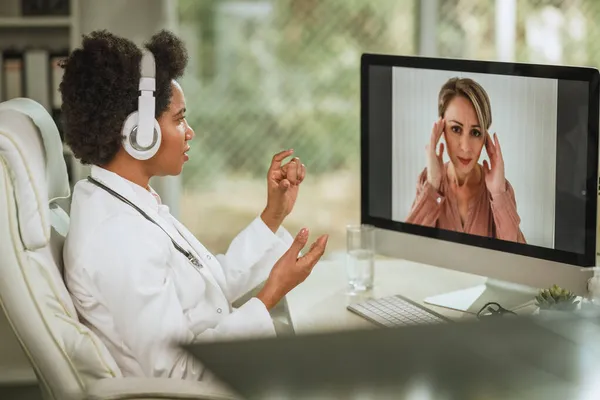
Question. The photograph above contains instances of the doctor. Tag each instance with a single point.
(139, 279)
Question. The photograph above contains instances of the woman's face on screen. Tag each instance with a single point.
(463, 134)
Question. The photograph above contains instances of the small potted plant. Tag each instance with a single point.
(556, 299)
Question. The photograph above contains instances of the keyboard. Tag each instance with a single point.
(394, 311)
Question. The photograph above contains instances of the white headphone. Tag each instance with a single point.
(139, 138)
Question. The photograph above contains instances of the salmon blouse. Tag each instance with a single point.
(487, 215)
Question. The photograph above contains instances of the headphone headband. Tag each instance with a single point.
(146, 105)
(147, 66)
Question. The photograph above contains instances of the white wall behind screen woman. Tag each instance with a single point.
(524, 114)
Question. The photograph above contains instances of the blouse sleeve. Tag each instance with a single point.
(428, 202)
(506, 217)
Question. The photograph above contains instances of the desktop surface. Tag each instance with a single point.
(320, 303)
(499, 358)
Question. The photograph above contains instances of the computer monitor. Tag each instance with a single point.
(525, 220)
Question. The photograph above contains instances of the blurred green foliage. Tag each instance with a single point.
(267, 75)
(272, 75)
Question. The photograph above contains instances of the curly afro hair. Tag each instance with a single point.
(100, 89)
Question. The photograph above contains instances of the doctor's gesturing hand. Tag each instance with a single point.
(283, 182)
(291, 270)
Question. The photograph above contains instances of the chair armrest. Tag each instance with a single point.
(156, 388)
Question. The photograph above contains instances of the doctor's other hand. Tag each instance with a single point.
(291, 270)
(283, 182)
(435, 161)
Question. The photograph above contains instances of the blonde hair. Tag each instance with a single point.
(471, 90)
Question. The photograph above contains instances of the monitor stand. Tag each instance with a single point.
(510, 296)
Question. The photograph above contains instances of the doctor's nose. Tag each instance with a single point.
(189, 134)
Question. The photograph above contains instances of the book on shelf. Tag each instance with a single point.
(38, 8)
(36, 74)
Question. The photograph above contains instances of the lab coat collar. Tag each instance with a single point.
(132, 191)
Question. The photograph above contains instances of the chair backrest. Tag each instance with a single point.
(65, 355)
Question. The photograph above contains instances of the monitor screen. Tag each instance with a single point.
(498, 155)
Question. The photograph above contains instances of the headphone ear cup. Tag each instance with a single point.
(129, 133)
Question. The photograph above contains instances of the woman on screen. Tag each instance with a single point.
(464, 195)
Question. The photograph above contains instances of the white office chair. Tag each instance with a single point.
(70, 362)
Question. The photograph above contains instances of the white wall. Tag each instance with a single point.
(524, 113)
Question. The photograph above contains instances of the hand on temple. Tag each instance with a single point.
(435, 161)
(494, 176)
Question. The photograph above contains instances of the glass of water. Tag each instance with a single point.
(360, 257)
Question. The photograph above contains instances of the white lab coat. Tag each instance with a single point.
(140, 295)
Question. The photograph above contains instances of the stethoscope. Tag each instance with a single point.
(180, 249)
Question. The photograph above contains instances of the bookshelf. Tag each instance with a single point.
(41, 39)
(35, 22)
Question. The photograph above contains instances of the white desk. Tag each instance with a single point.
(319, 303)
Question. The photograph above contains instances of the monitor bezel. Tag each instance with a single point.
(585, 74)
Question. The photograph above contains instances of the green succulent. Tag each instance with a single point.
(556, 298)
